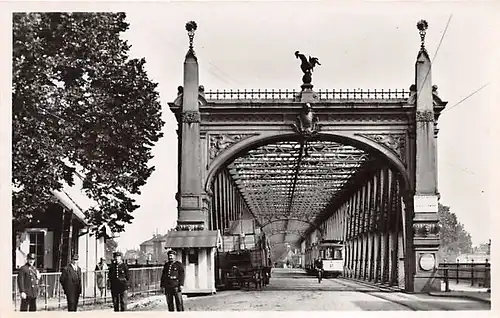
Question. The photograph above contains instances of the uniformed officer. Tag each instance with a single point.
(27, 280)
(119, 278)
(172, 281)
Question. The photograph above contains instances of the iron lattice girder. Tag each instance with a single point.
(288, 179)
(265, 165)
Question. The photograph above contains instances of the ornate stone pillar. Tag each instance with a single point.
(425, 238)
(189, 196)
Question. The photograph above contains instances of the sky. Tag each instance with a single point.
(367, 45)
(245, 46)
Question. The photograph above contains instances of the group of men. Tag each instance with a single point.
(172, 282)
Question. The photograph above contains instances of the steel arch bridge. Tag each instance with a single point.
(365, 171)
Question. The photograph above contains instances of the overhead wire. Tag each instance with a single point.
(435, 53)
(465, 98)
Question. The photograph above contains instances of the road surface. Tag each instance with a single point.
(291, 290)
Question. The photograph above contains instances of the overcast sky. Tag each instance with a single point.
(245, 46)
(367, 46)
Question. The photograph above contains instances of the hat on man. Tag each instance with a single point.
(115, 254)
(75, 257)
(31, 256)
(170, 251)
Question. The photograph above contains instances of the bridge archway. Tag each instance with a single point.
(356, 140)
(385, 209)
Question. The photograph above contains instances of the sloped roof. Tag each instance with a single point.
(153, 239)
(74, 199)
(67, 201)
(185, 239)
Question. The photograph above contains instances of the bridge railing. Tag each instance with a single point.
(473, 274)
(145, 280)
(334, 94)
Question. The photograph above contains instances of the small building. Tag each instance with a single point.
(60, 232)
(154, 248)
(147, 247)
(196, 250)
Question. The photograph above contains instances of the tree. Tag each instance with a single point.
(110, 248)
(80, 107)
(136, 255)
(455, 239)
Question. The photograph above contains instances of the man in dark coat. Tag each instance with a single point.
(71, 281)
(172, 281)
(27, 281)
(118, 279)
(319, 269)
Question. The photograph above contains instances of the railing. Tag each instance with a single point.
(473, 274)
(51, 295)
(348, 94)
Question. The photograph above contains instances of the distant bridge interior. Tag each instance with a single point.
(357, 166)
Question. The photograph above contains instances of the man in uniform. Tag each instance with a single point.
(27, 281)
(71, 281)
(172, 281)
(118, 279)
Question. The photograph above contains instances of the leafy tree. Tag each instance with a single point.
(110, 247)
(80, 106)
(455, 239)
(136, 255)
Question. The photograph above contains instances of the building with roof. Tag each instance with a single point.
(196, 250)
(154, 248)
(59, 233)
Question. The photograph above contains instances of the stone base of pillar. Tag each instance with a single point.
(308, 95)
(426, 278)
(425, 242)
(427, 283)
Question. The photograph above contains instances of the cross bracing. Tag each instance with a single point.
(287, 184)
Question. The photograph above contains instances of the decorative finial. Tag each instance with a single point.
(422, 27)
(191, 26)
(307, 67)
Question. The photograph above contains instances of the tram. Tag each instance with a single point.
(331, 254)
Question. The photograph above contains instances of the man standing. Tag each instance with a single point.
(100, 270)
(172, 281)
(71, 281)
(118, 278)
(319, 269)
(27, 281)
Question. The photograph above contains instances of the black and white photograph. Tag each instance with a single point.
(249, 156)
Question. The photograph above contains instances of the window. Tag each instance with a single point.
(338, 253)
(193, 256)
(37, 246)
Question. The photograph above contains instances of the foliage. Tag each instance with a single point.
(80, 106)
(455, 239)
(136, 255)
(110, 247)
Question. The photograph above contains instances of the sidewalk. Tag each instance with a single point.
(456, 290)
(160, 300)
(465, 291)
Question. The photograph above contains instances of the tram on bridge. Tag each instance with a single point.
(331, 254)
